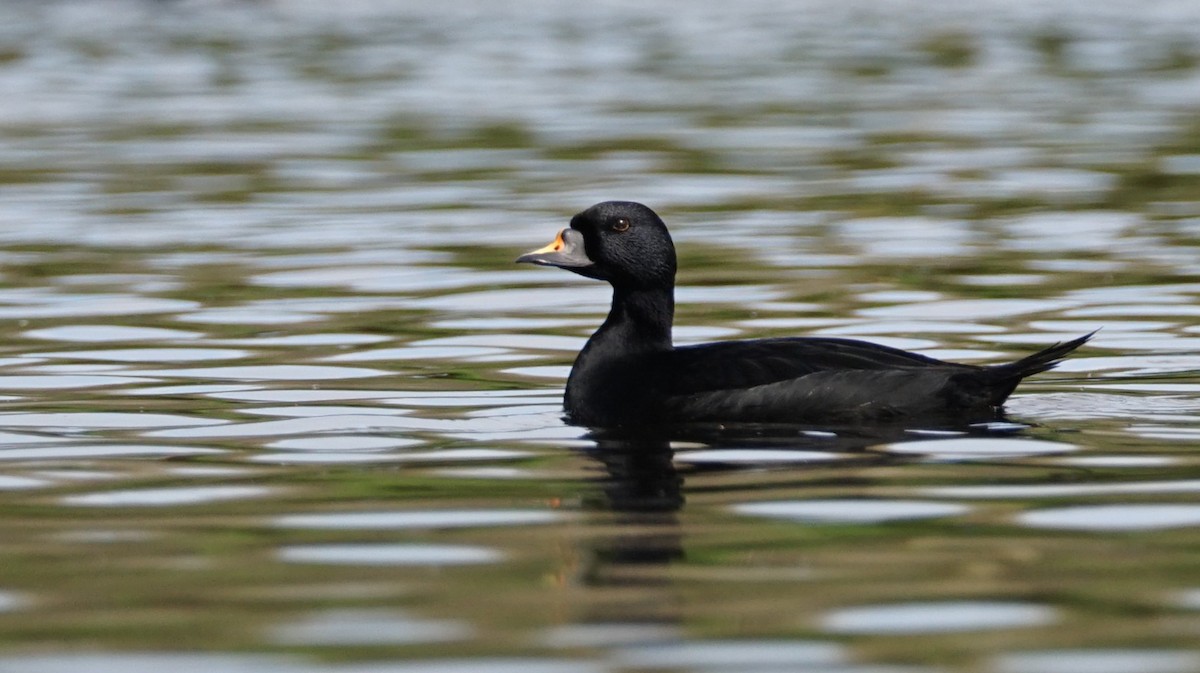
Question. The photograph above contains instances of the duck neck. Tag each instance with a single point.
(641, 318)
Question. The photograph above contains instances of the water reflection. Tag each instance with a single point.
(849, 511)
(1125, 517)
(146, 662)
(109, 333)
(937, 617)
(436, 519)
(640, 477)
(641, 492)
(609, 634)
(797, 655)
(165, 497)
(977, 448)
(367, 627)
(1100, 660)
(389, 554)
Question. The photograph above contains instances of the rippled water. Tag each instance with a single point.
(276, 398)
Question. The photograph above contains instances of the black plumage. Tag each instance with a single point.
(630, 373)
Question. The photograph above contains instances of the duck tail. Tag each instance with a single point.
(1045, 359)
(1007, 376)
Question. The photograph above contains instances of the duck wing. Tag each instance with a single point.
(788, 380)
(745, 364)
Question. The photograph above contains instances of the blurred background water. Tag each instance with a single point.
(276, 399)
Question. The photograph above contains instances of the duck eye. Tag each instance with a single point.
(621, 224)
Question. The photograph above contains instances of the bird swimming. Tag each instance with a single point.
(630, 373)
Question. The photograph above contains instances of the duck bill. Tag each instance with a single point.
(565, 251)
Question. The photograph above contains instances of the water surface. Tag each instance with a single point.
(275, 397)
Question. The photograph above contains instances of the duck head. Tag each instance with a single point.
(622, 242)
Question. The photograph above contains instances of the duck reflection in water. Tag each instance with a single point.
(644, 488)
(644, 492)
(641, 493)
(641, 476)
